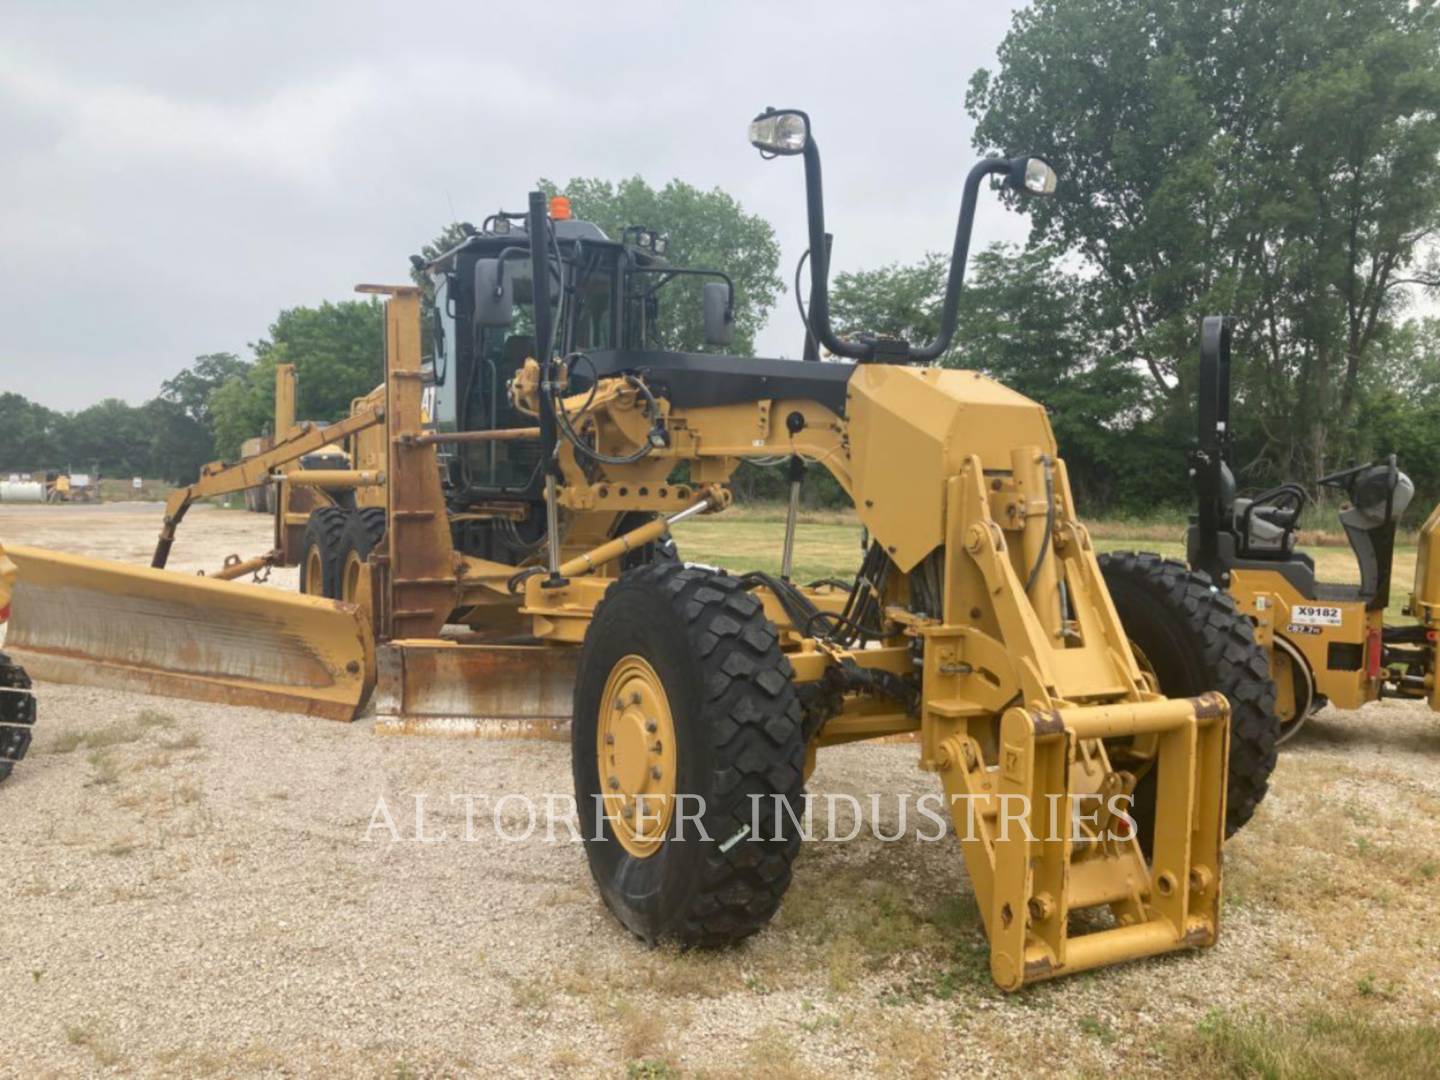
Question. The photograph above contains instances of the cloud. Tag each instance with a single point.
(172, 176)
(293, 134)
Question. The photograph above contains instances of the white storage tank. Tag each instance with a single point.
(21, 491)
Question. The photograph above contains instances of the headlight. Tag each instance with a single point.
(1031, 176)
(783, 131)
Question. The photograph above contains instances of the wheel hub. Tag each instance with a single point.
(350, 580)
(314, 572)
(635, 750)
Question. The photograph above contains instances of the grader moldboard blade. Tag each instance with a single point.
(100, 623)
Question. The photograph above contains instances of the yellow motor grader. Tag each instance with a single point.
(502, 534)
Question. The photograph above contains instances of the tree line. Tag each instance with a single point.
(1272, 160)
(206, 411)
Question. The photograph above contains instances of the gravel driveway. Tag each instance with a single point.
(202, 890)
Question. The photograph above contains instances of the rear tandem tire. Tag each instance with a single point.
(17, 715)
(364, 532)
(1195, 639)
(322, 558)
(713, 662)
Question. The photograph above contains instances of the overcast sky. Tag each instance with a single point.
(172, 175)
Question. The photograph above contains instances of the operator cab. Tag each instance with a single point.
(479, 341)
(616, 309)
(1231, 532)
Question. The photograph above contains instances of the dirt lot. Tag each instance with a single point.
(198, 890)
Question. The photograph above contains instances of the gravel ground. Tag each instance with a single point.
(200, 890)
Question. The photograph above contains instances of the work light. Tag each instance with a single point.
(780, 131)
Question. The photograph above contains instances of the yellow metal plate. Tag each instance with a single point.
(101, 623)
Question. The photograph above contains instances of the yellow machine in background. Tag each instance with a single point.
(508, 550)
(1327, 642)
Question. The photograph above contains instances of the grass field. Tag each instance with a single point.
(827, 544)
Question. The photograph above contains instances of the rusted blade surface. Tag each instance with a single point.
(448, 688)
(102, 623)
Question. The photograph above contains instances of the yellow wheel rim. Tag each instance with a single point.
(1147, 669)
(350, 578)
(314, 572)
(635, 749)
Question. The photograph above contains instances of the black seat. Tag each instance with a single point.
(1264, 526)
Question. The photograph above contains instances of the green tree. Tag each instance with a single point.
(183, 423)
(338, 353)
(1274, 159)
(1026, 322)
(178, 445)
(31, 436)
(112, 436)
(1399, 410)
(706, 229)
(897, 301)
(242, 407)
(192, 389)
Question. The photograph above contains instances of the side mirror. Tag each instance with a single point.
(719, 313)
(494, 295)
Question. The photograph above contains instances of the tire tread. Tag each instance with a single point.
(754, 720)
(1235, 663)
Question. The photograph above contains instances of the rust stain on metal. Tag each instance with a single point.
(101, 623)
(1050, 723)
(553, 730)
(86, 671)
(489, 690)
(1210, 706)
(1199, 937)
(1043, 968)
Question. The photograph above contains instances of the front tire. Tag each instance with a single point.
(1194, 639)
(689, 647)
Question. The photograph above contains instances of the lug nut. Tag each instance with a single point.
(651, 726)
(614, 783)
(655, 772)
(609, 740)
